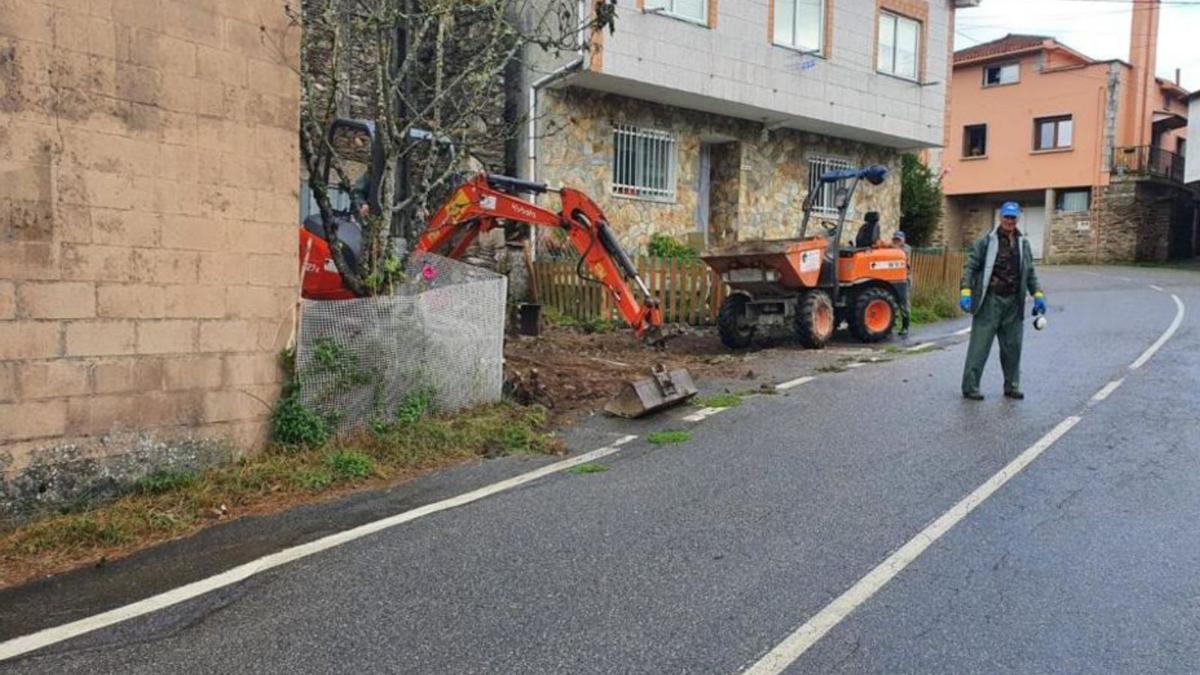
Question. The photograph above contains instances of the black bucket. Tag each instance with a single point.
(529, 319)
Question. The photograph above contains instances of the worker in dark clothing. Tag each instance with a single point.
(898, 241)
(998, 273)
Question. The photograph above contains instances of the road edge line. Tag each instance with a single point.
(784, 386)
(799, 641)
(1162, 339)
(27, 643)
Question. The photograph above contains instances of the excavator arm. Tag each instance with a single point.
(485, 200)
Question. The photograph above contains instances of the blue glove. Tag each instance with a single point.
(964, 301)
(1039, 303)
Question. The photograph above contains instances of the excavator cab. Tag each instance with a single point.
(357, 142)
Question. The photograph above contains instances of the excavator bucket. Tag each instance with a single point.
(645, 395)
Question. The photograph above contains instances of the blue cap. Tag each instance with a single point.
(1010, 209)
(898, 235)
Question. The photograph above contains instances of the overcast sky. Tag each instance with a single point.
(1098, 28)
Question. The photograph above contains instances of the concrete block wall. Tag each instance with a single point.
(148, 180)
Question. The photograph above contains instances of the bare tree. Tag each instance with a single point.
(431, 74)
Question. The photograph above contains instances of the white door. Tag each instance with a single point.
(1032, 225)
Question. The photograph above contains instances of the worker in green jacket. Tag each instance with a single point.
(998, 273)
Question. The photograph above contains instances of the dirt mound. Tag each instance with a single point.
(572, 372)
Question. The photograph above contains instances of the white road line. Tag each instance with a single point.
(963, 331)
(1157, 288)
(793, 647)
(702, 414)
(855, 364)
(923, 345)
(1146, 355)
(49, 636)
(794, 383)
(1106, 391)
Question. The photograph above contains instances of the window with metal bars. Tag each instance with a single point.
(643, 163)
(826, 200)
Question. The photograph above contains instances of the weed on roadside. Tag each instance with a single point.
(589, 468)
(312, 479)
(349, 465)
(831, 368)
(165, 481)
(170, 504)
(723, 400)
(933, 307)
(668, 437)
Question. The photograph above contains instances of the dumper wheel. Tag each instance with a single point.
(815, 319)
(733, 324)
(873, 315)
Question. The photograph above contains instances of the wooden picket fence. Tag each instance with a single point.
(938, 272)
(690, 292)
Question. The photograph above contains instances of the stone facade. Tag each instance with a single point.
(1131, 219)
(1072, 237)
(759, 181)
(148, 176)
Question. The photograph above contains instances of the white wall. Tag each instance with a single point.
(734, 69)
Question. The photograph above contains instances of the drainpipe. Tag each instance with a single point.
(534, 87)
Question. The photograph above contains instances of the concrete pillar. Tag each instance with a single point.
(1047, 243)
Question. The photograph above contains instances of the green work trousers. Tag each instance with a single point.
(999, 318)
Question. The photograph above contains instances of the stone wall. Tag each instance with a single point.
(1071, 237)
(1130, 220)
(773, 170)
(148, 175)
(966, 217)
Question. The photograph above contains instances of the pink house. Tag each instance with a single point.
(1092, 150)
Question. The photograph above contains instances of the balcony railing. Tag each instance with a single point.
(1147, 160)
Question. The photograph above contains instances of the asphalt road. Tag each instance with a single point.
(703, 556)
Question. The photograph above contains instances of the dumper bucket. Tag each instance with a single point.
(645, 395)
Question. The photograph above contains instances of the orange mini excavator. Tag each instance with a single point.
(477, 206)
(486, 201)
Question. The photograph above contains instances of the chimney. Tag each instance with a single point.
(1143, 50)
(1177, 78)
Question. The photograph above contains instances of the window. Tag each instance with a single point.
(1073, 201)
(1181, 147)
(800, 24)
(899, 45)
(643, 163)
(975, 140)
(826, 201)
(1050, 133)
(692, 10)
(1001, 73)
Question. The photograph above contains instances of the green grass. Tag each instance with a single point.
(172, 503)
(724, 400)
(933, 307)
(668, 437)
(165, 481)
(589, 468)
(349, 464)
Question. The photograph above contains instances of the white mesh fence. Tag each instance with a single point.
(441, 333)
